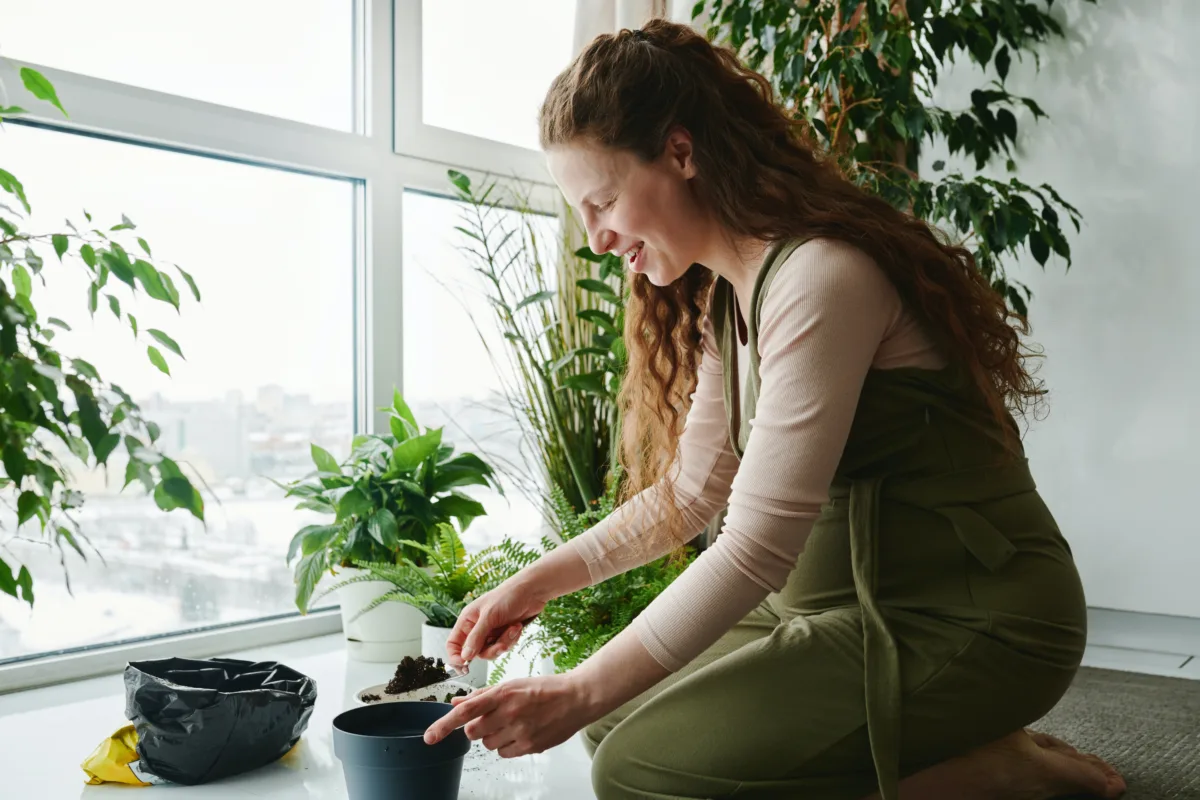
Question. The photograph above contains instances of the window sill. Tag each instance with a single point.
(57, 669)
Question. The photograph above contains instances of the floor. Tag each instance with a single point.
(50, 731)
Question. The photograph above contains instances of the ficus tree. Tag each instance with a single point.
(862, 75)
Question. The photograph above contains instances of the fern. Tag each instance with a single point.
(573, 627)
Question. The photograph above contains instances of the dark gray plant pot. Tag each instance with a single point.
(384, 755)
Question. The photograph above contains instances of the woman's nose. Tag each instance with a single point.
(600, 240)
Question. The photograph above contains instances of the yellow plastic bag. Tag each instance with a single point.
(111, 761)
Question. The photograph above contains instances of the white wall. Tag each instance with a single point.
(1118, 457)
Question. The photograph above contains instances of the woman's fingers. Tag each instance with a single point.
(475, 706)
(503, 644)
(462, 629)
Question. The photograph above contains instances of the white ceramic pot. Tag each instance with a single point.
(386, 633)
(433, 645)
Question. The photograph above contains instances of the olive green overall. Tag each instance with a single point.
(936, 607)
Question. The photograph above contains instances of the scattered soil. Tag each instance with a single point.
(371, 698)
(459, 693)
(430, 699)
(416, 673)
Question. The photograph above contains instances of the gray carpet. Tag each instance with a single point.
(1147, 727)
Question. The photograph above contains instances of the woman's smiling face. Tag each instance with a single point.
(644, 212)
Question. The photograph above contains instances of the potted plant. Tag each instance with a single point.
(439, 590)
(387, 499)
(573, 627)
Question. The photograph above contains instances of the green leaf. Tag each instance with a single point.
(22, 283)
(103, 449)
(587, 255)
(137, 471)
(407, 455)
(88, 254)
(41, 88)
(590, 382)
(536, 297)
(461, 181)
(383, 529)
(33, 260)
(1039, 247)
(605, 321)
(401, 408)
(12, 111)
(324, 461)
(66, 533)
(145, 247)
(460, 507)
(29, 504)
(85, 369)
(156, 358)
(400, 428)
(10, 184)
(308, 575)
(133, 324)
(25, 583)
(598, 287)
(190, 282)
(315, 538)
(152, 282)
(8, 583)
(93, 298)
(153, 429)
(61, 244)
(177, 492)
(1002, 62)
(119, 266)
(165, 340)
(58, 322)
(115, 305)
(354, 504)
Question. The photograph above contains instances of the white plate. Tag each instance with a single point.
(440, 690)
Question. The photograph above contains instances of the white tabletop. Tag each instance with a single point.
(46, 733)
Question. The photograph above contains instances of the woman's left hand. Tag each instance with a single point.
(521, 716)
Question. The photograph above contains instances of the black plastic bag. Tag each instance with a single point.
(199, 720)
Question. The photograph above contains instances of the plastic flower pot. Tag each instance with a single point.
(384, 755)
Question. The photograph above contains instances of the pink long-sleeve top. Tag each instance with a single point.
(830, 316)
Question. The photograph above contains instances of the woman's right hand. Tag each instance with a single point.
(492, 623)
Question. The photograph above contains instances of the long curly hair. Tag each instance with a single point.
(763, 179)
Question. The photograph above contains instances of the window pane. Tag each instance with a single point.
(269, 367)
(449, 378)
(288, 58)
(486, 65)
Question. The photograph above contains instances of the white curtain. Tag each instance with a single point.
(594, 17)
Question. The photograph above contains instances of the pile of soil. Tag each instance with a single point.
(371, 698)
(415, 673)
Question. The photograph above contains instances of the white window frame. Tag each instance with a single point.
(157, 119)
(417, 139)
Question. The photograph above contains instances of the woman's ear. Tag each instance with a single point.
(679, 154)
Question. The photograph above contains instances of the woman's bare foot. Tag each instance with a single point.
(1025, 765)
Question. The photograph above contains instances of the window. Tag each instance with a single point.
(486, 66)
(269, 368)
(453, 375)
(294, 222)
(471, 76)
(287, 58)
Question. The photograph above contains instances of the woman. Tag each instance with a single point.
(889, 601)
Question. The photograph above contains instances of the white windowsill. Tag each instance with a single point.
(53, 670)
(50, 731)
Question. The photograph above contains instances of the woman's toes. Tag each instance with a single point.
(1049, 742)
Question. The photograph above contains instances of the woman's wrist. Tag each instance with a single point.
(559, 572)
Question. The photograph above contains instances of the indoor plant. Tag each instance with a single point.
(862, 75)
(387, 499)
(439, 590)
(55, 409)
(573, 627)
